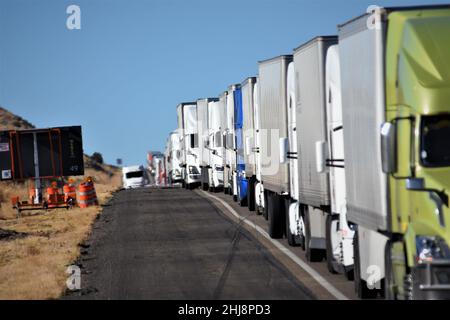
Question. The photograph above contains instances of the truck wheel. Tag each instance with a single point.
(389, 289)
(361, 289)
(291, 238)
(205, 186)
(349, 273)
(251, 194)
(331, 261)
(312, 255)
(276, 220)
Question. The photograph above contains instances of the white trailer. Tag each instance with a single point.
(313, 188)
(216, 123)
(191, 166)
(363, 98)
(248, 133)
(274, 141)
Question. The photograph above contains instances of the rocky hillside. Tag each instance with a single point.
(10, 121)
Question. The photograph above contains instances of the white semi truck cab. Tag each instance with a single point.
(133, 177)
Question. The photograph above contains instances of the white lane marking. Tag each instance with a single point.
(313, 273)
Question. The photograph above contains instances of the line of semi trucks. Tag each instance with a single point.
(343, 147)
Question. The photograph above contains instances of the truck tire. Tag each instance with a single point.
(389, 291)
(276, 219)
(349, 273)
(312, 255)
(361, 289)
(331, 261)
(251, 194)
(291, 238)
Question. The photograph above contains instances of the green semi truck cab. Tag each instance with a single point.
(416, 153)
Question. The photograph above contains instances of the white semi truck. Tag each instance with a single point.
(203, 140)
(173, 158)
(259, 187)
(216, 123)
(187, 126)
(230, 157)
(133, 177)
(330, 159)
(248, 133)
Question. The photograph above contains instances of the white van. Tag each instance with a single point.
(133, 177)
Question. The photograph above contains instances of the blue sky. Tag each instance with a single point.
(122, 75)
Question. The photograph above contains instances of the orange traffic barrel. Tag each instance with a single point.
(70, 192)
(86, 195)
(52, 194)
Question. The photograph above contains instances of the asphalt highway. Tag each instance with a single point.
(172, 243)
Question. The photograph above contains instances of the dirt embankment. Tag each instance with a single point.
(36, 249)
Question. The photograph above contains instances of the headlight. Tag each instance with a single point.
(431, 248)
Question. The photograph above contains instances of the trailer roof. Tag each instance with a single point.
(280, 57)
(248, 79)
(208, 99)
(234, 86)
(314, 40)
(186, 103)
(393, 9)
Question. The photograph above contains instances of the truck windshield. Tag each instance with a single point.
(435, 141)
(193, 170)
(134, 174)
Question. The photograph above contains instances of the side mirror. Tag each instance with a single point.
(388, 148)
(284, 146)
(320, 156)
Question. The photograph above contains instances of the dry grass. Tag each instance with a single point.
(34, 267)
